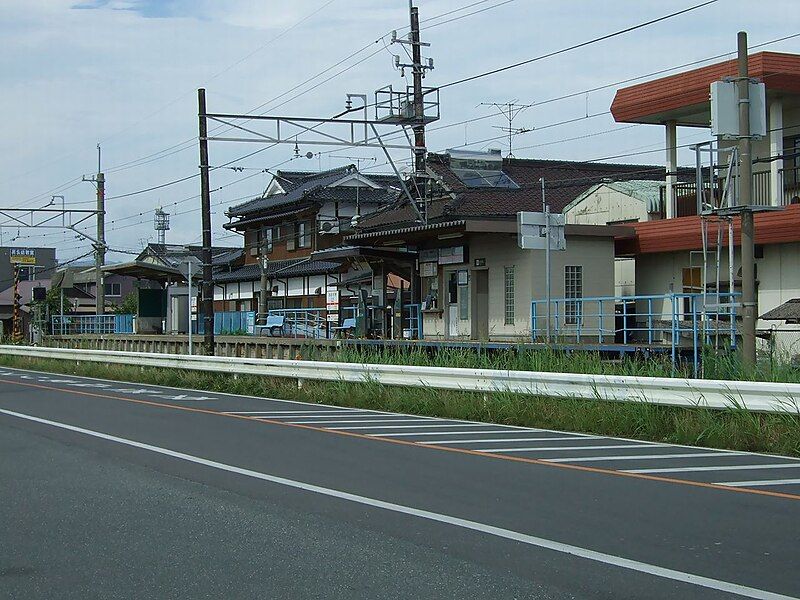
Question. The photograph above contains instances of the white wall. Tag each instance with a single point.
(778, 281)
(594, 254)
(606, 205)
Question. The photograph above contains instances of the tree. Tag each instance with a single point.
(129, 305)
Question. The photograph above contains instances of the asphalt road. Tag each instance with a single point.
(113, 490)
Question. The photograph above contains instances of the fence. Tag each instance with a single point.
(751, 395)
(91, 324)
(674, 320)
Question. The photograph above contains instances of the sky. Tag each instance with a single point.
(124, 74)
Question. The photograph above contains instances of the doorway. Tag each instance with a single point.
(480, 304)
(452, 304)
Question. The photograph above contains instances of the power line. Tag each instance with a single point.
(576, 46)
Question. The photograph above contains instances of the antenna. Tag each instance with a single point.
(510, 110)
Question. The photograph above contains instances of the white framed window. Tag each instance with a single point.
(573, 291)
(303, 234)
(509, 279)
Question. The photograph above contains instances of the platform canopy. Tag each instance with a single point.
(684, 97)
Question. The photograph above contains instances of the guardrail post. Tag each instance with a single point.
(650, 321)
(694, 334)
(624, 322)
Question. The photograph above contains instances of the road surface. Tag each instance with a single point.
(118, 490)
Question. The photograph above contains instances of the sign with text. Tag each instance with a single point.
(22, 256)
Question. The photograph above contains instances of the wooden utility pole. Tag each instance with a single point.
(207, 288)
(749, 299)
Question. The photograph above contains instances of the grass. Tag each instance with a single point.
(716, 365)
(733, 428)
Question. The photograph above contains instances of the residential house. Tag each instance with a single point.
(670, 254)
(298, 214)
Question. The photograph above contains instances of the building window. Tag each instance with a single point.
(113, 289)
(267, 238)
(463, 295)
(303, 234)
(573, 291)
(509, 295)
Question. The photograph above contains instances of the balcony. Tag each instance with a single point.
(686, 192)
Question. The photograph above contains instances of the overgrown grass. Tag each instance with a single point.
(715, 365)
(734, 428)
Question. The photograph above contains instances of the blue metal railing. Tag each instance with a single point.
(665, 320)
(412, 321)
(240, 321)
(91, 324)
(304, 322)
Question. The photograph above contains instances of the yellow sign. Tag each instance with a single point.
(23, 256)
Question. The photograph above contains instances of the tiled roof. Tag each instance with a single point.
(564, 181)
(294, 267)
(685, 233)
(648, 102)
(788, 311)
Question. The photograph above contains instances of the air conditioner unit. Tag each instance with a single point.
(328, 226)
(253, 251)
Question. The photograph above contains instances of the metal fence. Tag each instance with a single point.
(752, 395)
(91, 324)
(673, 320)
(229, 322)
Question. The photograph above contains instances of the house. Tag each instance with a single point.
(669, 259)
(298, 214)
(464, 265)
(688, 252)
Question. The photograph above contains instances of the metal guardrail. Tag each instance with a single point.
(755, 396)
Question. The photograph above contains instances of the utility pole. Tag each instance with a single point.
(420, 171)
(16, 333)
(207, 289)
(100, 244)
(546, 208)
(749, 298)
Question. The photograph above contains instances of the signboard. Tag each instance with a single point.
(429, 256)
(332, 304)
(332, 300)
(454, 255)
(22, 256)
(532, 231)
(428, 269)
(193, 302)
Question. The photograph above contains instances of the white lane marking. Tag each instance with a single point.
(415, 433)
(717, 468)
(408, 426)
(555, 448)
(181, 397)
(508, 534)
(309, 413)
(524, 439)
(338, 421)
(645, 456)
(759, 482)
(333, 418)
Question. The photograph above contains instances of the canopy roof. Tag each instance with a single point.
(684, 97)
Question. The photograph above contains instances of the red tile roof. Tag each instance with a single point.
(684, 233)
(643, 102)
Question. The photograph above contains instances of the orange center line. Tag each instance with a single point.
(520, 459)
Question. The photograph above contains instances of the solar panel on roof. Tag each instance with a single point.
(483, 178)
